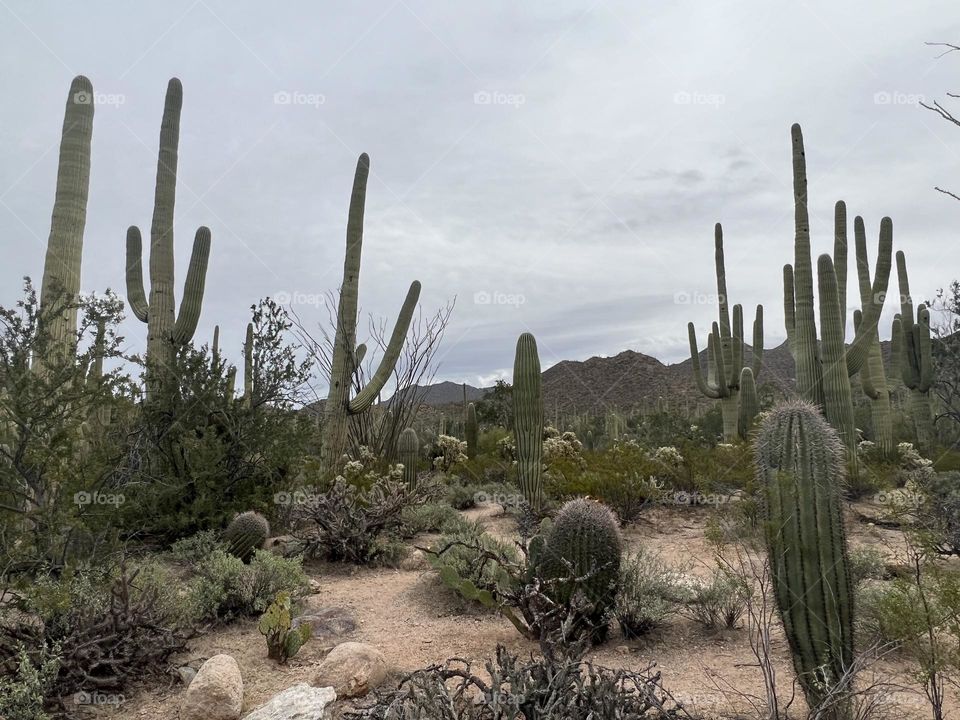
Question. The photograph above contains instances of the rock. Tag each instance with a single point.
(314, 586)
(186, 674)
(329, 625)
(417, 560)
(216, 693)
(623, 649)
(352, 669)
(300, 702)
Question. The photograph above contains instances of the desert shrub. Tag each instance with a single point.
(194, 548)
(463, 550)
(941, 510)
(866, 563)
(427, 518)
(23, 694)
(719, 601)
(343, 523)
(650, 591)
(461, 497)
(553, 687)
(388, 551)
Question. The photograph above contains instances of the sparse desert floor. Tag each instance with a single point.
(415, 622)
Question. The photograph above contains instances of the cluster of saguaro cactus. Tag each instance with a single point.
(471, 430)
(528, 420)
(726, 372)
(408, 453)
(800, 469)
(61, 267)
(914, 359)
(167, 329)
(339, 406)
(873, 374)
(824, 366)
(581, 551)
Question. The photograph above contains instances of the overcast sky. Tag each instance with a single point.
(558, 167)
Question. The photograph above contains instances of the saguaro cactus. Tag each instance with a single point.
(528, 419)
(408, 452)
(873, 374)
(471, 430)
(166, 328)
(823, 372)
(61, 267)
(339, 406)
(249, 377)
(800, 466)
(916, 362)
(749, 404)
(725, 350)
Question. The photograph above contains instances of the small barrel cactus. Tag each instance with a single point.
(408, 452)
(246, 534)
(472, 431)
(800, 464)
(582, 542)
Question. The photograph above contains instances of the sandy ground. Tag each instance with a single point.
(415, 621)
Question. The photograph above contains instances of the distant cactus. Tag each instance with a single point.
(915, 360)
(582, 542)
(472, 431)
(800, 468)
(408, 452)
(167, 329)
(61, 267)
(248, 370)
(246, 534)
(749, 403)
(528, 420)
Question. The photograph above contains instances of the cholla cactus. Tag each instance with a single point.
(450, 452)
(565, 446)
(800, 468)
(246, 533)
(668, 455)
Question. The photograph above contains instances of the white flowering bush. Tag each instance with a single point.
(449, 451)
(562, 447)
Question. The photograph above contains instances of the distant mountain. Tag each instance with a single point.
(446, 393)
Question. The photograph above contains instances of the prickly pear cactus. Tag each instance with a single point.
(408, 452)
(276, 625)
(800, 468)
(246, 534)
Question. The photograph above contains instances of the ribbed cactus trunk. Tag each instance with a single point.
(916, 359)
(471, 430)
(61, 268)
(725, 350)
(249, 376)
(800, 466)
(339, 407)
(166, 329)
(837, 394)
(408, 453)
(749, 404)
(528, 420)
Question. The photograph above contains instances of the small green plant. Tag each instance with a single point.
(650, 591)
(867, 563)
(276, 625)
(22, 695)
(719, 601)
(428, 518)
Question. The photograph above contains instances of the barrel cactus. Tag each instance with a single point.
(408, 452)
(800, 468)
(472, 431)
(528, 420)
(583, 542)
(246, 533)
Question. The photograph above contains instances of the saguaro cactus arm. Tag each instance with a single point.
(859, 349)
(136, 296)
(193, 286)
(838, 399)
(757, 360)
(707, 386)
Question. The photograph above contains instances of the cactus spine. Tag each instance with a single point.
(800, 465)
(873, 374)
(61, 267)
(725, 350)
(916, 362)
(339, 406)
(408, 452)
(166, 328)
(472, 431)
(823, 374)
(528, 419)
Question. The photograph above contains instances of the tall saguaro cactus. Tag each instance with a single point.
(915, 360)
(166, 328)
(339, 406)
(408, 452)
(61, 267)
(824, 370)
(873, 374)
(800, 466)
(725, 350)
(471, 430)
(528, 420)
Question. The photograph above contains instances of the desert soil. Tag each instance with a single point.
(415, 622)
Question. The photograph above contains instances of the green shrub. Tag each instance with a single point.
(427, 518)
(719, 601)
(191, 550)
(866, 563)
(467, 562)
(461, 497)
(650, 591)
(388, 552)
(22, 694)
